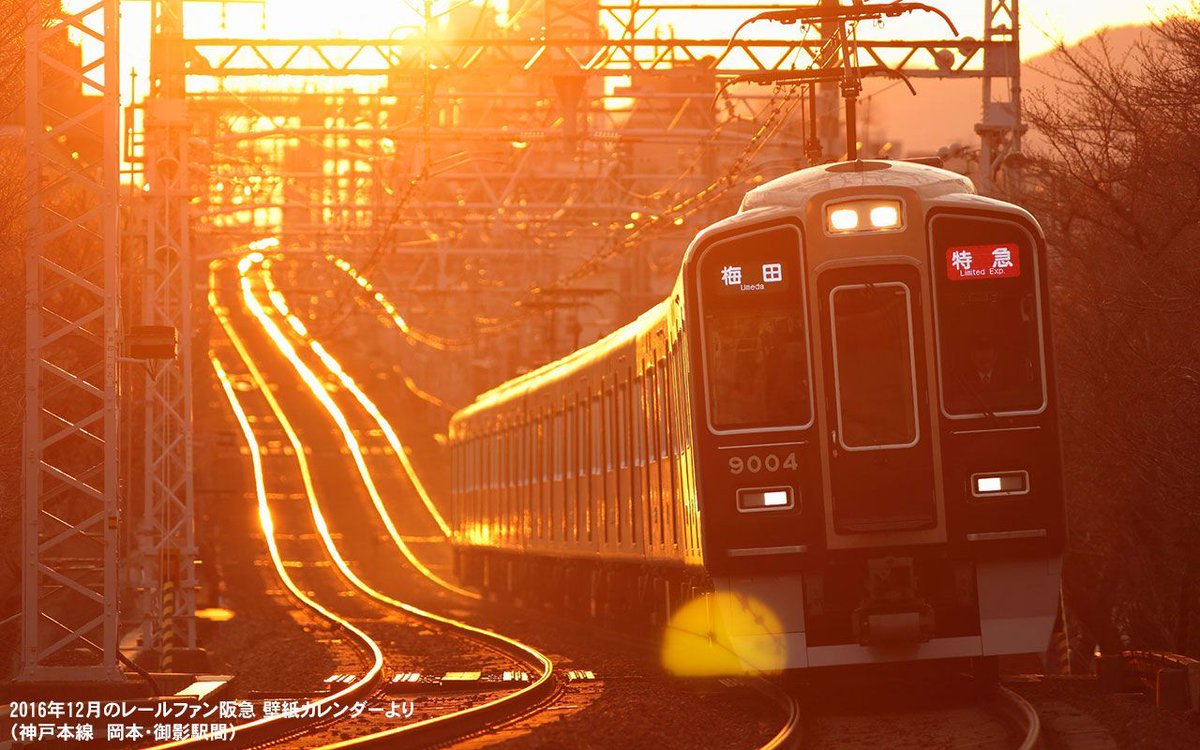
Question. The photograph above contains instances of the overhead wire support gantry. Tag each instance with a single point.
(71, 502)
(843, 21)
(166, 538)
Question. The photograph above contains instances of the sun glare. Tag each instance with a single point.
(364, 19)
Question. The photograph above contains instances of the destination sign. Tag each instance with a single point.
(980, 262)
(750, 277)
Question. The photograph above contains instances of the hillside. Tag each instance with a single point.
(956, 105)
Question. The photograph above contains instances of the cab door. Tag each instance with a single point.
(878, 438)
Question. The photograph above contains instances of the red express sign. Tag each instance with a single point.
(975, 262)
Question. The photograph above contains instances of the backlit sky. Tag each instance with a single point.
(1042, 20)
(1071, 19)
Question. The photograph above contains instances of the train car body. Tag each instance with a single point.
(841, 421)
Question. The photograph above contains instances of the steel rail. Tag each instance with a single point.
(790, 735)
(269, 729)
(279, 300)
(450, 725)
(1021, 714)
(317, 388)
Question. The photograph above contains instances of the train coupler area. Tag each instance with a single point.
(892, 611)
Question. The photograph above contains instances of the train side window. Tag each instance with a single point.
(988, 315)
(489, 469)
(472, 464)
(537, 471)
(597, 436)
(506, 483)
(622, 426)
(582, 489)
(595, 497)
(522, 474)
(637, 436)
(558, 445)
(610, 431)
(520, 435)
(653, 418)
(569, 473)
(460, 514)
(481, 462)
(514, 467)
(685, 394)
(485, 493)
(547, 470)
(499, 496)
(527, 434)
(545, 493)
(664, 408)
(755, 332)
(491, 462)
(514, 493)
(514, 460)
(456, 469)
(615, 457)
(468, 507)
(477, 466)
(572, 440)
(671, 443)
(483, 455)
(506, 456)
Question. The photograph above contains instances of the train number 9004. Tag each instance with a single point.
(755, 464)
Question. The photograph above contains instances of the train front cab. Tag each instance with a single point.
(879, 463)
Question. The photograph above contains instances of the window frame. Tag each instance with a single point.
(804, 316)
(1040, 315)
(912, 367)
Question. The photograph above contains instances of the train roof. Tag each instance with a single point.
(795, 190)
(790, 191)
(565, 365)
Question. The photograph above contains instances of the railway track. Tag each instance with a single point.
(377, 622)
(313, 564)
(1022, 716)
(276, 323)
(948, 712)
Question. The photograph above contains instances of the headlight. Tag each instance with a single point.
(885, 217)
(877, 215)
(843, 220)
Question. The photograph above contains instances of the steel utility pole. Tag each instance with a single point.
(1001, 128)
(70, 506)
(828, 102)
(167, 544)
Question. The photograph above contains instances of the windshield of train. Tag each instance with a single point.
(988, 316)
(755, 339)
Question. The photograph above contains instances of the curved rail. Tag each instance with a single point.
(273, 728)
(279, 300)
(447, 726)
(1021, 714)
(789, 736)
(317, 388)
